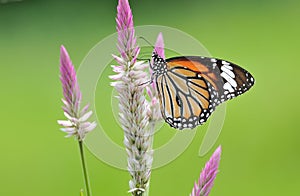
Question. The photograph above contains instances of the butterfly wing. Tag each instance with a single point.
(193, 86)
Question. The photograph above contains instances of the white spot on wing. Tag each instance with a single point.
(228, 66)
(225, 63)
(229, 79)
(214, 65)
(228, 87)
(228, 71)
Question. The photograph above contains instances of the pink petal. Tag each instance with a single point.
(85, 116)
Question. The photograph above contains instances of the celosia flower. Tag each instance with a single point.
(129, 79)
(159, 46)
(154, 107)
(208, 175)
(76, 123)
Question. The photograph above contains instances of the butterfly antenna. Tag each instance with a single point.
(143, 38)
(151, 66)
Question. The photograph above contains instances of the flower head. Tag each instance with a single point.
(126, 35)
(76, 123)
(159, 45)
(154, 112)
(208, 175)
(130, 76)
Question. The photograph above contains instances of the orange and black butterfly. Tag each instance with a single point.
(190, 87)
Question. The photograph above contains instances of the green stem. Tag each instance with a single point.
(84, 168)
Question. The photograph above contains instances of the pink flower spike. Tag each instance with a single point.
(159, 49)
(126, 35)
(154, 112)
(159, 45)
(68, 78)
(72, 98)
(208, 175)
(129, 81)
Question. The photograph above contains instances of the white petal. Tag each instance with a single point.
(118, 83)
(65, 123)
(91, 127)
(81, 133)
(68, 116)
(116, 77)
(85, 116)
(65, 102)
(84, 125)
(140, 82)
(118, 59)
(84, 109)
(138, 74)
(69, 135)
(69, 130)
(141, 66)
(118, 69)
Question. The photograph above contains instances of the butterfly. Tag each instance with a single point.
(191, 87)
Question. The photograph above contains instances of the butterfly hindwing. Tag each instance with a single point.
(186, 100)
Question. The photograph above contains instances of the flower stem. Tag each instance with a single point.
(84, 168)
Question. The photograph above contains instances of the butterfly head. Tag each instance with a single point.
(159, 64)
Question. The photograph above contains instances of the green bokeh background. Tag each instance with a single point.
(260, 137)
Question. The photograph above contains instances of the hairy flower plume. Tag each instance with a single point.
(129, 79)
(208, 175)
(76, 123)
(71, 92)
(126, 35)
(154, 108)
(159, 45)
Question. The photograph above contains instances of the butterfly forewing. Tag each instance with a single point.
(229, 79)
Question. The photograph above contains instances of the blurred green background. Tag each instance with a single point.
(260, 137)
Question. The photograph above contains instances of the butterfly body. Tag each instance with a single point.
(191, 87)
